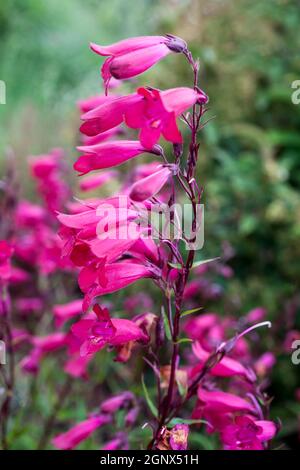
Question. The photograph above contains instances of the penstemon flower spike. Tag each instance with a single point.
(109, 265)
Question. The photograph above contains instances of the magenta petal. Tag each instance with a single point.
(180, 99)
(107, 154)
(113, 248)
(127, 330)
(223, 401)
(82, 328)
(64, 312)
(170, 130)
(149, 186)
(96, 181)
(149, 136)
(137, 62)
(134, 115)
(79, 432)
(268, 430)
(127, 45)
(120, 275)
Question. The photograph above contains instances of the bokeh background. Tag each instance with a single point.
(249, 157)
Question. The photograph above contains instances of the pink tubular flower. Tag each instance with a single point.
(223, 402)
(227, 367)
(152, 111)
(156, 113)
(108, 115)
(120, 442)
(111, 405)
(117, 275)
(49, 343)
(96, 181)
(149, 186)
(42, 345)
(47, 170)
(76, 366)
(109, 154)
(64, 312)
(247, 434)
(134, 56)
(79, 432)
(26, 305)
(265, 363)
(6, 252)
(95, 334)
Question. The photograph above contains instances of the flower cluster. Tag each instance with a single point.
(107, 244)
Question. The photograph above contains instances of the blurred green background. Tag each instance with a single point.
(249, 157)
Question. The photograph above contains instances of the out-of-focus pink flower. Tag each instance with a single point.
(42, 345)
(118, 443)
(256, 315)
(227, 367)
(109, 154)
(79, 432)
(137, 302)
(27, 305)
(50, 343)
(31, 363)
(149, 186)
(19, 336)
(289, 339)
(207, 329)
(95, 334)
(247, 434)
(179, 437)
(47, 170)
(264, 364)
(76, 366)
(64, 312)
(111, 405)
(28, 214)
(133, 56)
(132, 416)
(96, 181)
(223, 402)
(6, 251)
(90, 103)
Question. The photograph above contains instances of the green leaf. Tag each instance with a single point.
(166, 324)
(187, 421)
(150, 403)
(189, 312)
(183, 389)
(184, 340)
(204, 261)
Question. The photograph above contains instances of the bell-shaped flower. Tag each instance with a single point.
(134, 56)
(149, 186)
(109, 154)
(94, 334)
(247, 434)
(80, 432)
